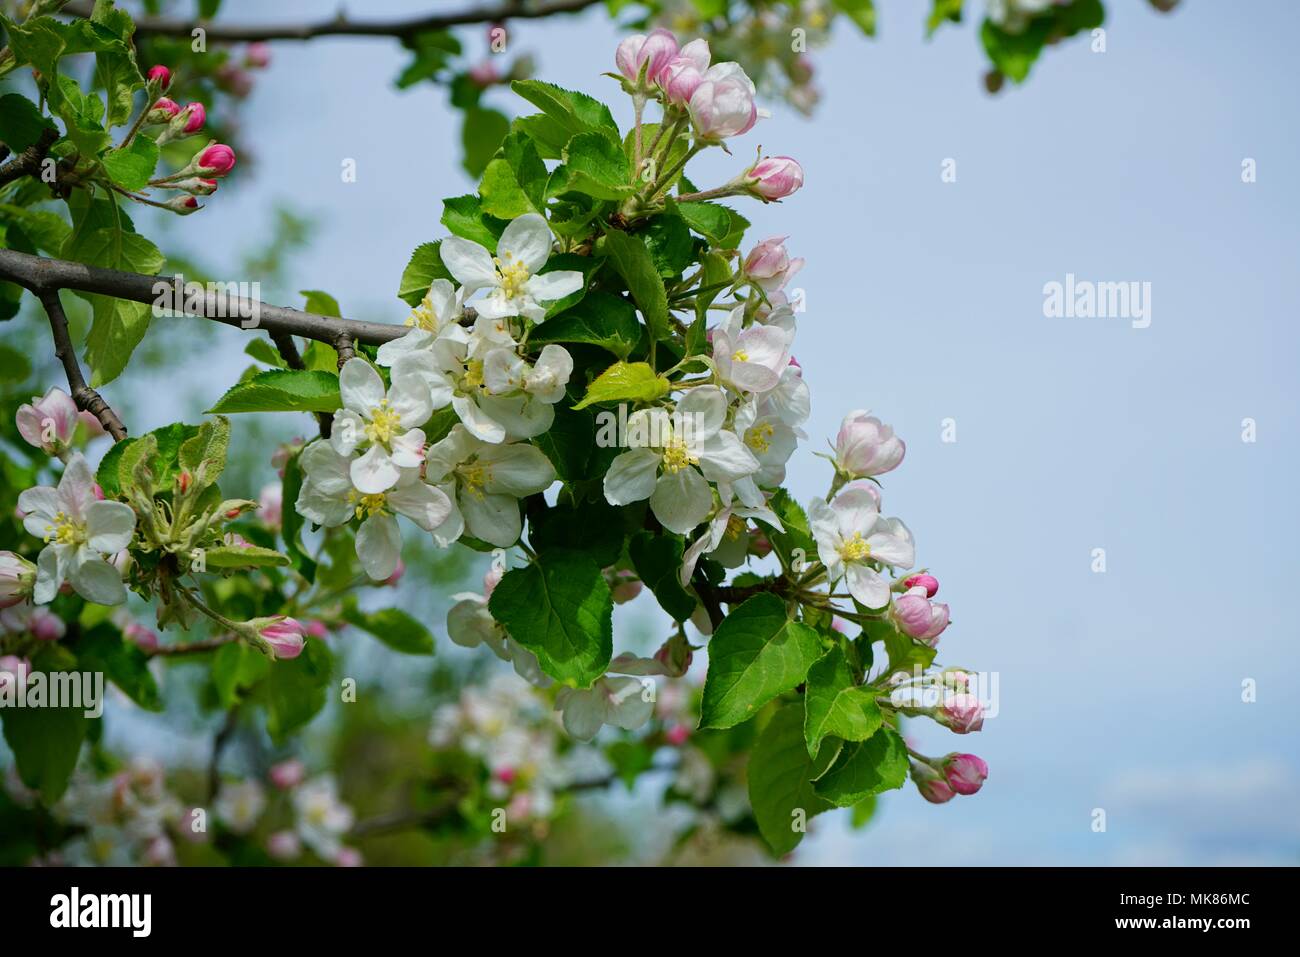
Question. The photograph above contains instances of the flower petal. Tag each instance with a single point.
(374, 472)
(469, 262)
(424, 504)
(96, 580)
(379, 546)
(360, 386)
(867, 586)
(528, 240)
(550, 286)
(492, 518)
(681, 500)
(517, 470)
(109, 526)
(631, 477)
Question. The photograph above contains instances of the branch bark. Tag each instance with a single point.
(87, 399)
(342, 26)
(28, 162)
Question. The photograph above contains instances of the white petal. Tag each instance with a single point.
(550, 286)
(630, 705)
(346, 431)
(77, 487)
(51, 567)
(855, 509)
(701, 413)
(477, 422)
(379, 546)
(96, 580)
(321, 507)
(408, 449)
(496, 306)
(326, 469)
(724, 458)
(517, 470)
(409, 398)
(584, 713)
(681, 500)
(867, 586)
(631, 477)
(374, 472)
(469, 262)
(394, 349)
(109, 526)
(38, 505)
(892, 543)
(492, 518)
(360, 386)
(521, 416)
(424, 504)
(527, 239)
(503, 371)
(454, 525)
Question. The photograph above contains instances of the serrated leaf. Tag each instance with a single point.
(658, 561)
(633, 381)
(757, 653)
(630, 257)
(780, 781)
(425, 266)
(208, 447)
(600, 319)
(464, 217)
(21, 123)
(559, 608)
(243, 556)
(395, 628)
(283, 390)
(834, 705)
(864, 768)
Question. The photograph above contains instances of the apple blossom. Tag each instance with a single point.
(239, 804)
(163, 110)
(853, 540)
(917, 616)
(774, 177)
(513, 278)
(644, 57)
(78, 527)
(288, 774)
(684, 73)
(726, 539)
(771, 439)
(322, 819)
(753, 359)
(674, 457)
(961, 713)
(965, 773)
(505, 373)
(928, 582)
(386, 424)
(49, 422)
(17, 579)
(214, 161)
(195, 116)
(470, 624)
(865, 446)
(328, 497)
(161, 75)
(723, 104)
(769, 265)
(622, 702)
(485, 481)
(286, 636)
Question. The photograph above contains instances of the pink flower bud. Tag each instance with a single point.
(769, 264)
(286, 636)
(164, 109)
(257, 56)
(965, 773)
(140, 636)
(287, 775)
(928, 582)
(13, 670)
(931, 784)
(45, 625)
(651, 53)
(284, 846)
(197, 115)
(679, 80)
(624, 586)
(162, 75)
(317, 629)
(677, 735)
(484, 74)
(215, 161)
(506, 775)
(723, 104)
(48, 422)
(183, 205)
(760, 545)
(775, 177)
(920, 618)
(961, 713)
(17, 579)
(865, 446)
(348, 857)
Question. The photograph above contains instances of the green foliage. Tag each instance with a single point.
(283, 390)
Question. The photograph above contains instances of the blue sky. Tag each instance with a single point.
(1120, 690)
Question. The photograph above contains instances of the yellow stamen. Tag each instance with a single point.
(367, 505)
(475, 479)
(64, 531)
(473, 374)
(384, 423)
(735, 527)
(514, 274)
(424, 315)
(677, 456)
(855, 549)
(740, 355)
(759, 438)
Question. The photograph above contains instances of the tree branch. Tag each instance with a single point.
(41, 275)
(28, 162)
(87, 399)
(342, 26)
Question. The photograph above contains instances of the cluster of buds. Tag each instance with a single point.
(940, 780)
(199, 176)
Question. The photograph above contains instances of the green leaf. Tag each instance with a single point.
(559, 608)
(21, 123)
(321, 303)
(594, 527)
(633, 261)
(626, 380)
(671, 246)
(565, 114)
(283, 390)
(104, 649)
(757, 653)
(45, 741)
(263, 351)
(291, 521)
(1013, 54)
(861, 12)
(568, 442)
(118, 325)
(208, 448)
(425, 266)
(658, 561)
(243, 556)
(236, 668)
(45, 229)
(593, 165)
(294, 691)
(710, 220)
(795, 544)
(160, 449)
(780, 781)
(834, 705)
(600, 319)
(464, 216)
(395, 628)
(941, 11)
(15, 367)
(481, 135)
(514, 181)
(865, 768)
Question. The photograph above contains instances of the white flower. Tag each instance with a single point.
(452, 375)
(240, 804)
(750, 359)
(769, 437)
(676, 457)
(505, 373)
(511, 277)
(727, 537)
(790, 401)
(470, 624)
(385, 423)
(78, 528)
(865, 446)
(439, 311)
(329, 497)
(626, 703)
(853, 541)
(486, 482)
(322, 818)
